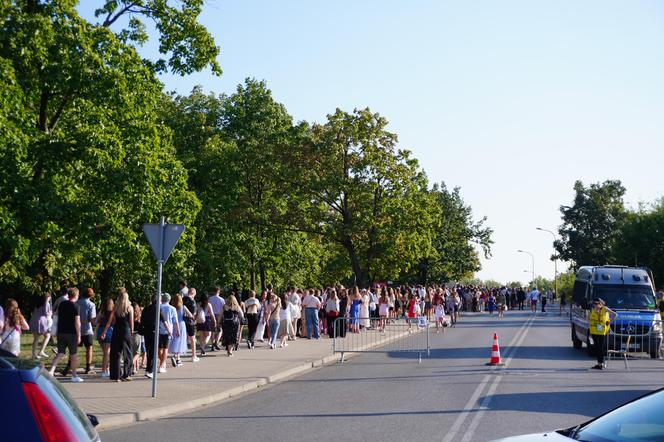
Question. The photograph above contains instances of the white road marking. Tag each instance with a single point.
(494, 386)
(470, 405)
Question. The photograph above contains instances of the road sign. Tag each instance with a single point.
(163, 238)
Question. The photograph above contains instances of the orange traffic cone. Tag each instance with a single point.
(495, 352)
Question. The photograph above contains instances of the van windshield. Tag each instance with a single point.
(626, 296)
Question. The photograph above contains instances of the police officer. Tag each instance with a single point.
(600, 318)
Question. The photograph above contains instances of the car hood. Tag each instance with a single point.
(535, 437)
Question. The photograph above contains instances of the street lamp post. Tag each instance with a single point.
(555, 264)
(532, 259)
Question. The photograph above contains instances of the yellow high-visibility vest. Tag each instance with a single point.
(599, 322)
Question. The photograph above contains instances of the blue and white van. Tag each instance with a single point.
(629, 291)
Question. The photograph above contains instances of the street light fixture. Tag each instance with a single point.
(532, 258)
(555, 264)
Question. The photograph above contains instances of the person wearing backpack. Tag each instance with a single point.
(231, 317)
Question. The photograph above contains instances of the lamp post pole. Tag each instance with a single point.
(555, 264)
(532, 259)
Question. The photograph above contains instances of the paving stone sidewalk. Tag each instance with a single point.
(215, 378)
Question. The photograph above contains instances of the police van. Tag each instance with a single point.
(629, 291)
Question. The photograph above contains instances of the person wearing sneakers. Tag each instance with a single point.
(311, 306)
(189, 303)
(122, 320)
(272, 313)
(217, 303)
(148, 325)
(69, 332)
(284, 320)
(599, 319)
(40, 325)
(231, 318)
(88, 319)
(168, 327)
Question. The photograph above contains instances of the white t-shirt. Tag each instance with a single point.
(310, 301)
(285, 313)
(11, 340)
(251, 301)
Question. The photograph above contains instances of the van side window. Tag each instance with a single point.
(579, 293)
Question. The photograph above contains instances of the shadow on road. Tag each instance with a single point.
(566, 353)
(564, 402)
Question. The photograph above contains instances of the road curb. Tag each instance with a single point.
(182, 407)
(124, 420)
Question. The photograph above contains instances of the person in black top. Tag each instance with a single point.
(148, 326)
(69, 332)
(189, 303)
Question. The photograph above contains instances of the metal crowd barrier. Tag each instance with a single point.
(395, 335)
(638, 338)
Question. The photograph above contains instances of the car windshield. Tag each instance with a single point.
(626, 296)
(638, 421)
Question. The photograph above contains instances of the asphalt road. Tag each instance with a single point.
(451, 396)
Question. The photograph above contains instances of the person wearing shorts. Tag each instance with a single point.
(69, 333)
(189, 303)
(88, 313)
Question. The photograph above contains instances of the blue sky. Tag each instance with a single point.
(510, 100)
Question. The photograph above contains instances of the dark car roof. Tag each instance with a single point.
(29, 369)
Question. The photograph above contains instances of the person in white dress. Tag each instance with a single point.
(364, 310)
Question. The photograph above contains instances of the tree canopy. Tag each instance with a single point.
(92, 147)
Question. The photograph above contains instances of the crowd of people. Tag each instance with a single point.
(190, 324)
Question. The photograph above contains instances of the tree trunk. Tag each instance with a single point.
(354, 262)
(105, 283)
(263, 277)
(252, 273)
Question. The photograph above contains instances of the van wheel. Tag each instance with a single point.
(576, 342)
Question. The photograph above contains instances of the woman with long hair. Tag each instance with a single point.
(209, 323)
(284, 320)
(356, 300)
(178, 344)
(251, 306)
(273, 315)
(122, 319)
(10, 337)
(331, 311)
(383, 309)
(138, 348)
(40, 325)
(231, 318)
(105, 342)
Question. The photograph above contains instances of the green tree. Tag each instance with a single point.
(642, 239)
(232, 147)
(591, 226)
(456, 237)
(354, 188)
(97, 162)
(185, 43)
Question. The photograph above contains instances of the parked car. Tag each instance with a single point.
(35, 407)
(640, 420)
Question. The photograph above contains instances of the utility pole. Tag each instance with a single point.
(555, 264)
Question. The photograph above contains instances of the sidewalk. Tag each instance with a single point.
(215, 378)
